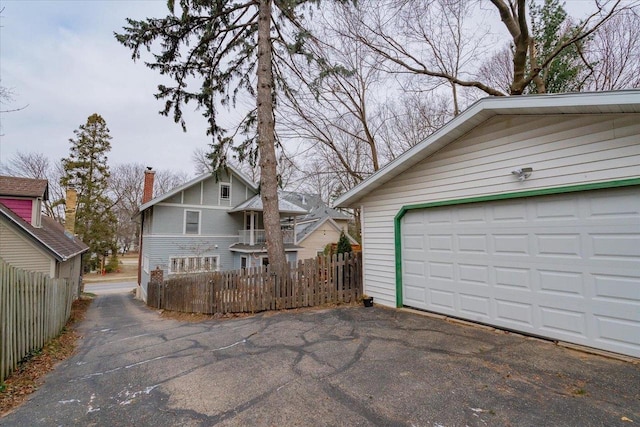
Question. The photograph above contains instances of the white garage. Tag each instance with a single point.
(522, 213)
(562, 267)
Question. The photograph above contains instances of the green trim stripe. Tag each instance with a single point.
(505, 196)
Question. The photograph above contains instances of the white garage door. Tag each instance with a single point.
(565, 267)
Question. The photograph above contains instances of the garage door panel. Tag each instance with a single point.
(566, 245)
(616, 246)
(622, 288)
(440, 243)
(473, 243)
(560, 321)
(512, 244)
(560, 282)
(618, 332)
(476, 306)
(442, 299)
(472, 214)
(512, 313)
(414, 268)
(440, 270)
(513, 277)
(553, 210)
(617, 206)
(415, 295)
(566, 267)
(471, 273)
(509, 212)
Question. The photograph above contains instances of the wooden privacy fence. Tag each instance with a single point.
(308, 283)
(33, 309)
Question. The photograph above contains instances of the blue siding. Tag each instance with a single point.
(170, 220)
(164, 235)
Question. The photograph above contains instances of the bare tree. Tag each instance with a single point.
(126, 185)
(613, 54)
(201, 162)
(413, 50)
(38, 166)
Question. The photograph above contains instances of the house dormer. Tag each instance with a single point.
(24, 196)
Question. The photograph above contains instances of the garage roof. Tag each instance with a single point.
(624, 101)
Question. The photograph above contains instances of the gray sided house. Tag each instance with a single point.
(522, 213)
(35, 242)
(208, 224)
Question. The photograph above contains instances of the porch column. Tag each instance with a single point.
(295, 233)
(252, 227)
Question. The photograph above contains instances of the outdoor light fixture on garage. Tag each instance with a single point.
(522, 173)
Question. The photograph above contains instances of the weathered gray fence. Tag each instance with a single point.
(308, 283)
(33, 309)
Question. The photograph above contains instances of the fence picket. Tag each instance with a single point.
(33, 309)
(312, 282)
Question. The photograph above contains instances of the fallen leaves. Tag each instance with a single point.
(30, 372)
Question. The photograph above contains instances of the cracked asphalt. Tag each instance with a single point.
(350, 366)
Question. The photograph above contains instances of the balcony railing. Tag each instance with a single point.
(259, 237)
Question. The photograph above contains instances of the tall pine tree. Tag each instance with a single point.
(550, 27)
(224, 48)
(86, 169)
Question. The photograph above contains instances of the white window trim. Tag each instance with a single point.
(186, 258)
(145, 264)
(184, 221)
(220, 199)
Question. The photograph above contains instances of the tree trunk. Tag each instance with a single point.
(266, 142)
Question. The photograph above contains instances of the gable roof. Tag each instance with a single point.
(304, 230)
(24, 187)
(51, 236)
(623, 101)
(195, 181)
(255, 204)
(316, 208)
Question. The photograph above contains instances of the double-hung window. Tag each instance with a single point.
(191, 222)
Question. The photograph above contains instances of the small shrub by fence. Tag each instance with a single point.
(308, 283)
(33, 309)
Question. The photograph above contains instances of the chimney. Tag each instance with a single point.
(147, 191)
(70, 210)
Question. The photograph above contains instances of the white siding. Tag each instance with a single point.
(563, 150)
(21, 253)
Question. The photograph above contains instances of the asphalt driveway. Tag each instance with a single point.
(346, 366)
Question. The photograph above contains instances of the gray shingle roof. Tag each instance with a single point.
(316, 208)
(52, 236)
(255, 204)
(23, 187)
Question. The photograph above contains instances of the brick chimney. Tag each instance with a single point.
(71, 201)
(147, 191)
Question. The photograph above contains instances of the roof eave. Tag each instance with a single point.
(484, 109)
(194, 181)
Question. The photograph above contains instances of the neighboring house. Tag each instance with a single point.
(319, 227)
(522, 213)
(32, 241)
(208, 224)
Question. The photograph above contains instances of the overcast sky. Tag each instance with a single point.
(61, 59)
